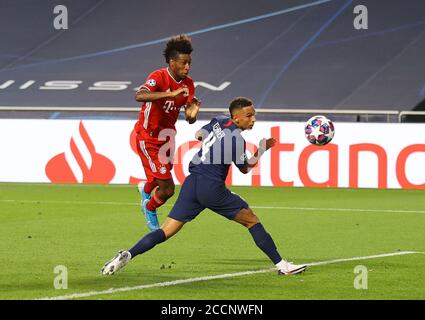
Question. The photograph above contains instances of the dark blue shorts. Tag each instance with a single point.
(199, 193)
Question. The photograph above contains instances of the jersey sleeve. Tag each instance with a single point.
(239, 157)
(153, 82)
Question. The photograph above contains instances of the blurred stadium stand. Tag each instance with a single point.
(297, 54)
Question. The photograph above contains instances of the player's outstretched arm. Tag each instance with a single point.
(192, 110)
(264, 145)
(144, 95)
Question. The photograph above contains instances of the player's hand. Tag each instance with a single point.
(195, 104)
(266, 144)
(196, 101)
(192, 110)
(184, 91)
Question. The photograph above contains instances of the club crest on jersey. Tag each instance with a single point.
(151, 82)
(243, 157)
(162, 170)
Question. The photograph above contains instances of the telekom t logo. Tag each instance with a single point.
(93, 168)
(168, 106)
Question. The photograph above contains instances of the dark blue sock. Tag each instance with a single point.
(148, 242)
(265, 242)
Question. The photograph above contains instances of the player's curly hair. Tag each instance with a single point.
(239, 103)
(177, 44)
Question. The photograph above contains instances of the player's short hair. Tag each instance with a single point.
(177, 45)
(239, 103)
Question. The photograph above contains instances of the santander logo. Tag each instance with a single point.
(82, 164)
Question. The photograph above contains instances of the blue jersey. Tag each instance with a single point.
(222, 145)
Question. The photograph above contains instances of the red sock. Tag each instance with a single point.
(155, 201)
(149, 186)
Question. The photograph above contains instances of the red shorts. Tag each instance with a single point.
(157, 160)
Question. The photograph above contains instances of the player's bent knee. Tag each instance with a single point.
(171, 227)
(166, 188)
(252, 221)
(170, 191)
(247, 218)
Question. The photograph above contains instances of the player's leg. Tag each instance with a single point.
(262, 239)
(265, 243)
(169, 228)
(146, 243)
(147, 154)
(161, 165)
(161, 162)
(165, 188)
(185, 209)
(150, 215)
(160, 185)
(161, 194)
(233, 207)
(150, 240)
(145, 188)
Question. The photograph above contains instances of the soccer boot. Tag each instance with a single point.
(116, 263)
(151, 217)
(289, 268)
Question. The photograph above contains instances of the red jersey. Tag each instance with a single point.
(163, 113)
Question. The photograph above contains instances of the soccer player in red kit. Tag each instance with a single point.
(163, 94)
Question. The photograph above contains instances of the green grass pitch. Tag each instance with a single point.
(80, 227)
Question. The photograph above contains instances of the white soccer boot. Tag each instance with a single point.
(288, 268)
(116, 263)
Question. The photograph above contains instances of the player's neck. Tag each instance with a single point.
(237, 125)
(175, 77)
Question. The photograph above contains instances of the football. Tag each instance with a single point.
(319, 130)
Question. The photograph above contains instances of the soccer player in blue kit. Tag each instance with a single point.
(222, 144)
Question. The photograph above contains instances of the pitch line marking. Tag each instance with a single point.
(253, 207)
(220, 276)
